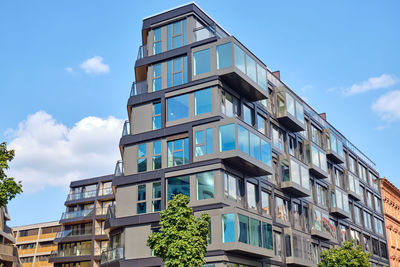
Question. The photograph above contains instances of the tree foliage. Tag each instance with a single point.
(182, 240)
(348, 256)
(9, 188)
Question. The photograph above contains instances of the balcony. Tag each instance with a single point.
(110, 212)
(138, 88)
(74, 232)
(81, 195)
(316, 160)
(339, 202)
(127, 128)
(44, 249)
(299, 251)
(290, 109)
(333, 146)
(27, 238)
(321, 226)
(240, 145)
(76, 214)
(119, 168)
(111, 255)
(26, 251)
(296, 179)
(106, 191)
(47, 236)
(7, 253)
(353, 185)
(142, 52)
(73, 251)
(205, 32)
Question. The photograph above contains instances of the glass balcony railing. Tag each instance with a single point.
(110, 212)
(119, 168)
(74, 251)
(76, 214)
(106, 191)
(74, 232)
(296, 178)
(206, 32)
(142, 52)
(112, 255)
(81, 195)
(127, 128)
(139, 88)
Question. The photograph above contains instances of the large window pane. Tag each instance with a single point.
(295, 171)
(209, 141)
(290, 104)
(266, 153)
(228, 228)
(224, 55)
(239, 58)
(243, 235)
(315, 156)
(251, 70)
(227, 137)
(265, 203)
(201, 61)
(205, 185)
(178, 107)
(267, 236)
(248, 115)
(255, 230)
(230, 186)
(157, 84)
(203, 101)
(251, 196)
(178, 185)
(262, 76)
(299, 112)
(243, 139)
(255, 146)
(281, 209)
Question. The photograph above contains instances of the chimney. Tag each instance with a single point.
(323, 115)
(277, 74)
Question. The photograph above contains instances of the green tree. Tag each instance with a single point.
(9, 188)
(348, 255)
(182, 240)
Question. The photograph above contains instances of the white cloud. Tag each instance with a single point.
(373, 83)
(388, 106)
(95, 65)
(69, 69)
(48, 153)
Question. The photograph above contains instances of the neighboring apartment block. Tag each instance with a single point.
(82, 236)
(391, 207)
(8, 251)
(208, 119)
(35, 242)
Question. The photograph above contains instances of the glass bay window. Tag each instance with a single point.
(316, 159)
(290, 110)
(295, 176)
(339, 202)
(333, 146)
(353, 186)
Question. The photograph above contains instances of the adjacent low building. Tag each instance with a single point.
(8, 251)
(82, 237)
(35, 242)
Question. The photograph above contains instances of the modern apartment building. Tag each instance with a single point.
(391, 207)
(8, 251)
(208, 119)
(82, 236)
(35, 242)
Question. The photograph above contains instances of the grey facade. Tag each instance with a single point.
(208, 119)
(83, 237)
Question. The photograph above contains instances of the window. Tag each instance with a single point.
(383, 250)
(176, 34)
(156, 160)
(203, 142)
(315, 135)
(357, 215)
(178, 185)
(224, 55)
(316, 156)
(201, 61)
(367, 220)
(261, 124)
(156, 203)
(356, 236)
(157, 80)
(239, 58)
(375, 247)
(243, 140)
(369, 197)
(157, 44)
(141, 199)
(292, 144)
(351, 164)
(277, 137)
(142, 160)
(228, 228)
(176, 71)
(248, 115)
(233, 187)
(229, 104)
(262, 77)
(251, 66)
(278, 244)
(227, 137)
(320, 195)
(205, 185)
(156, 116)
(243, 234)
(297, 222)
(202, 101)
(338, 178)
(378, 226)
(251, 195)
(378, 207)
(255, 233)
(265, 203)
(178, 152)
(281, 209)
(177, 107)
(267, 236)
(343, 233)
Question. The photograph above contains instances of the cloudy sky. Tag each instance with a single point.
(66, 68)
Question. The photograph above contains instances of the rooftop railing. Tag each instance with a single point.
(76, 214)
(119, 168)
(110, 212)
(81, 195)
(142, 52)
(112, 255)
(139, 88)
(206, 32)
(127, 128)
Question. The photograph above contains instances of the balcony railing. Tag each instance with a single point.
(112, 255)
(6, 250)
(74, 232)
(81, 195)
(110, 212)
(119, 168)
(139, 88)
(76, 214)
(106, 191)
(206, 32)
(74, 251)
(142, 52)
(127, 128)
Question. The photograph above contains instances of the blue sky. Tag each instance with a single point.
(66, 68)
